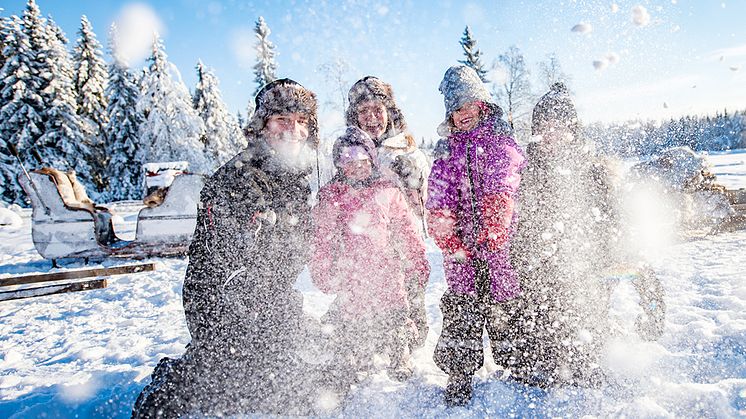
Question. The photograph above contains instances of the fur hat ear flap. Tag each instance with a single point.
(284, 96)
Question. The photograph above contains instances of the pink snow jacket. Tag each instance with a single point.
(366, 247)
(495, 164)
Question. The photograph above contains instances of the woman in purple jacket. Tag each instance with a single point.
(471, 194)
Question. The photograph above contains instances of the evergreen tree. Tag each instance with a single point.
(21, 108)
(29, 78)
(171, 129)
(123, 171)
(222, 138)
(472, 53)
(60, 61)
(89, 82)
(741, 129)
(4, 26)
(265, 68)
(240, 119)
(37, 113)
(65, 144)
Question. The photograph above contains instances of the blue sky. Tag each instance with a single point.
(689, 57)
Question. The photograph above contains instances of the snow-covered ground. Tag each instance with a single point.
(88, 354)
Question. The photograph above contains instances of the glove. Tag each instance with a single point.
(497, 213)
(407, 171)
(442, 228)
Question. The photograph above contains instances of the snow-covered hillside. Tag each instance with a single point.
(88, 354)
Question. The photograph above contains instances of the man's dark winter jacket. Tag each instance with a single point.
(249, 246)
(565, 241)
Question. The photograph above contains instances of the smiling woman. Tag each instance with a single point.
(372, 117)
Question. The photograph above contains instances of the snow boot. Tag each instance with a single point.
(162, 397)
(400, 366)
(400, 371)
(458, 390)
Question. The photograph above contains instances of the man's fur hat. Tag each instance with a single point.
(281, 97)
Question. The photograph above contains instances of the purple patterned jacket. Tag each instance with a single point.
(496, 162)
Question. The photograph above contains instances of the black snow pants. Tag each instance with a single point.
(200, 383)
(460, 350)
(354, 342)
(418, 314)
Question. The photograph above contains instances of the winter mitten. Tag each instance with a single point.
(406, 169)
(442, 228)
(497, 212)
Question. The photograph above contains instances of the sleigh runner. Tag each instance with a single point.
(67, 224)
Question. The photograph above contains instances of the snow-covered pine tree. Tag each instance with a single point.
(38, 113)
(222, 137)
(21, 108)
(89, 82)
(29, 81)
(473, 54)
(249, 112)
(171, 129)
(4, 24)
(65, 143)
(239, 118)
(266, 67)
(7, 166)
(123, 171)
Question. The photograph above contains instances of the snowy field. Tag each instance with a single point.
(88, 354)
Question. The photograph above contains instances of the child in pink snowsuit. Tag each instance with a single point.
(471, 193)
(362, 233)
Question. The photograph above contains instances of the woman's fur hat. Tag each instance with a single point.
(372, 88)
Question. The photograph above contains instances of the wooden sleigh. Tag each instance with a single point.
(68, 225)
